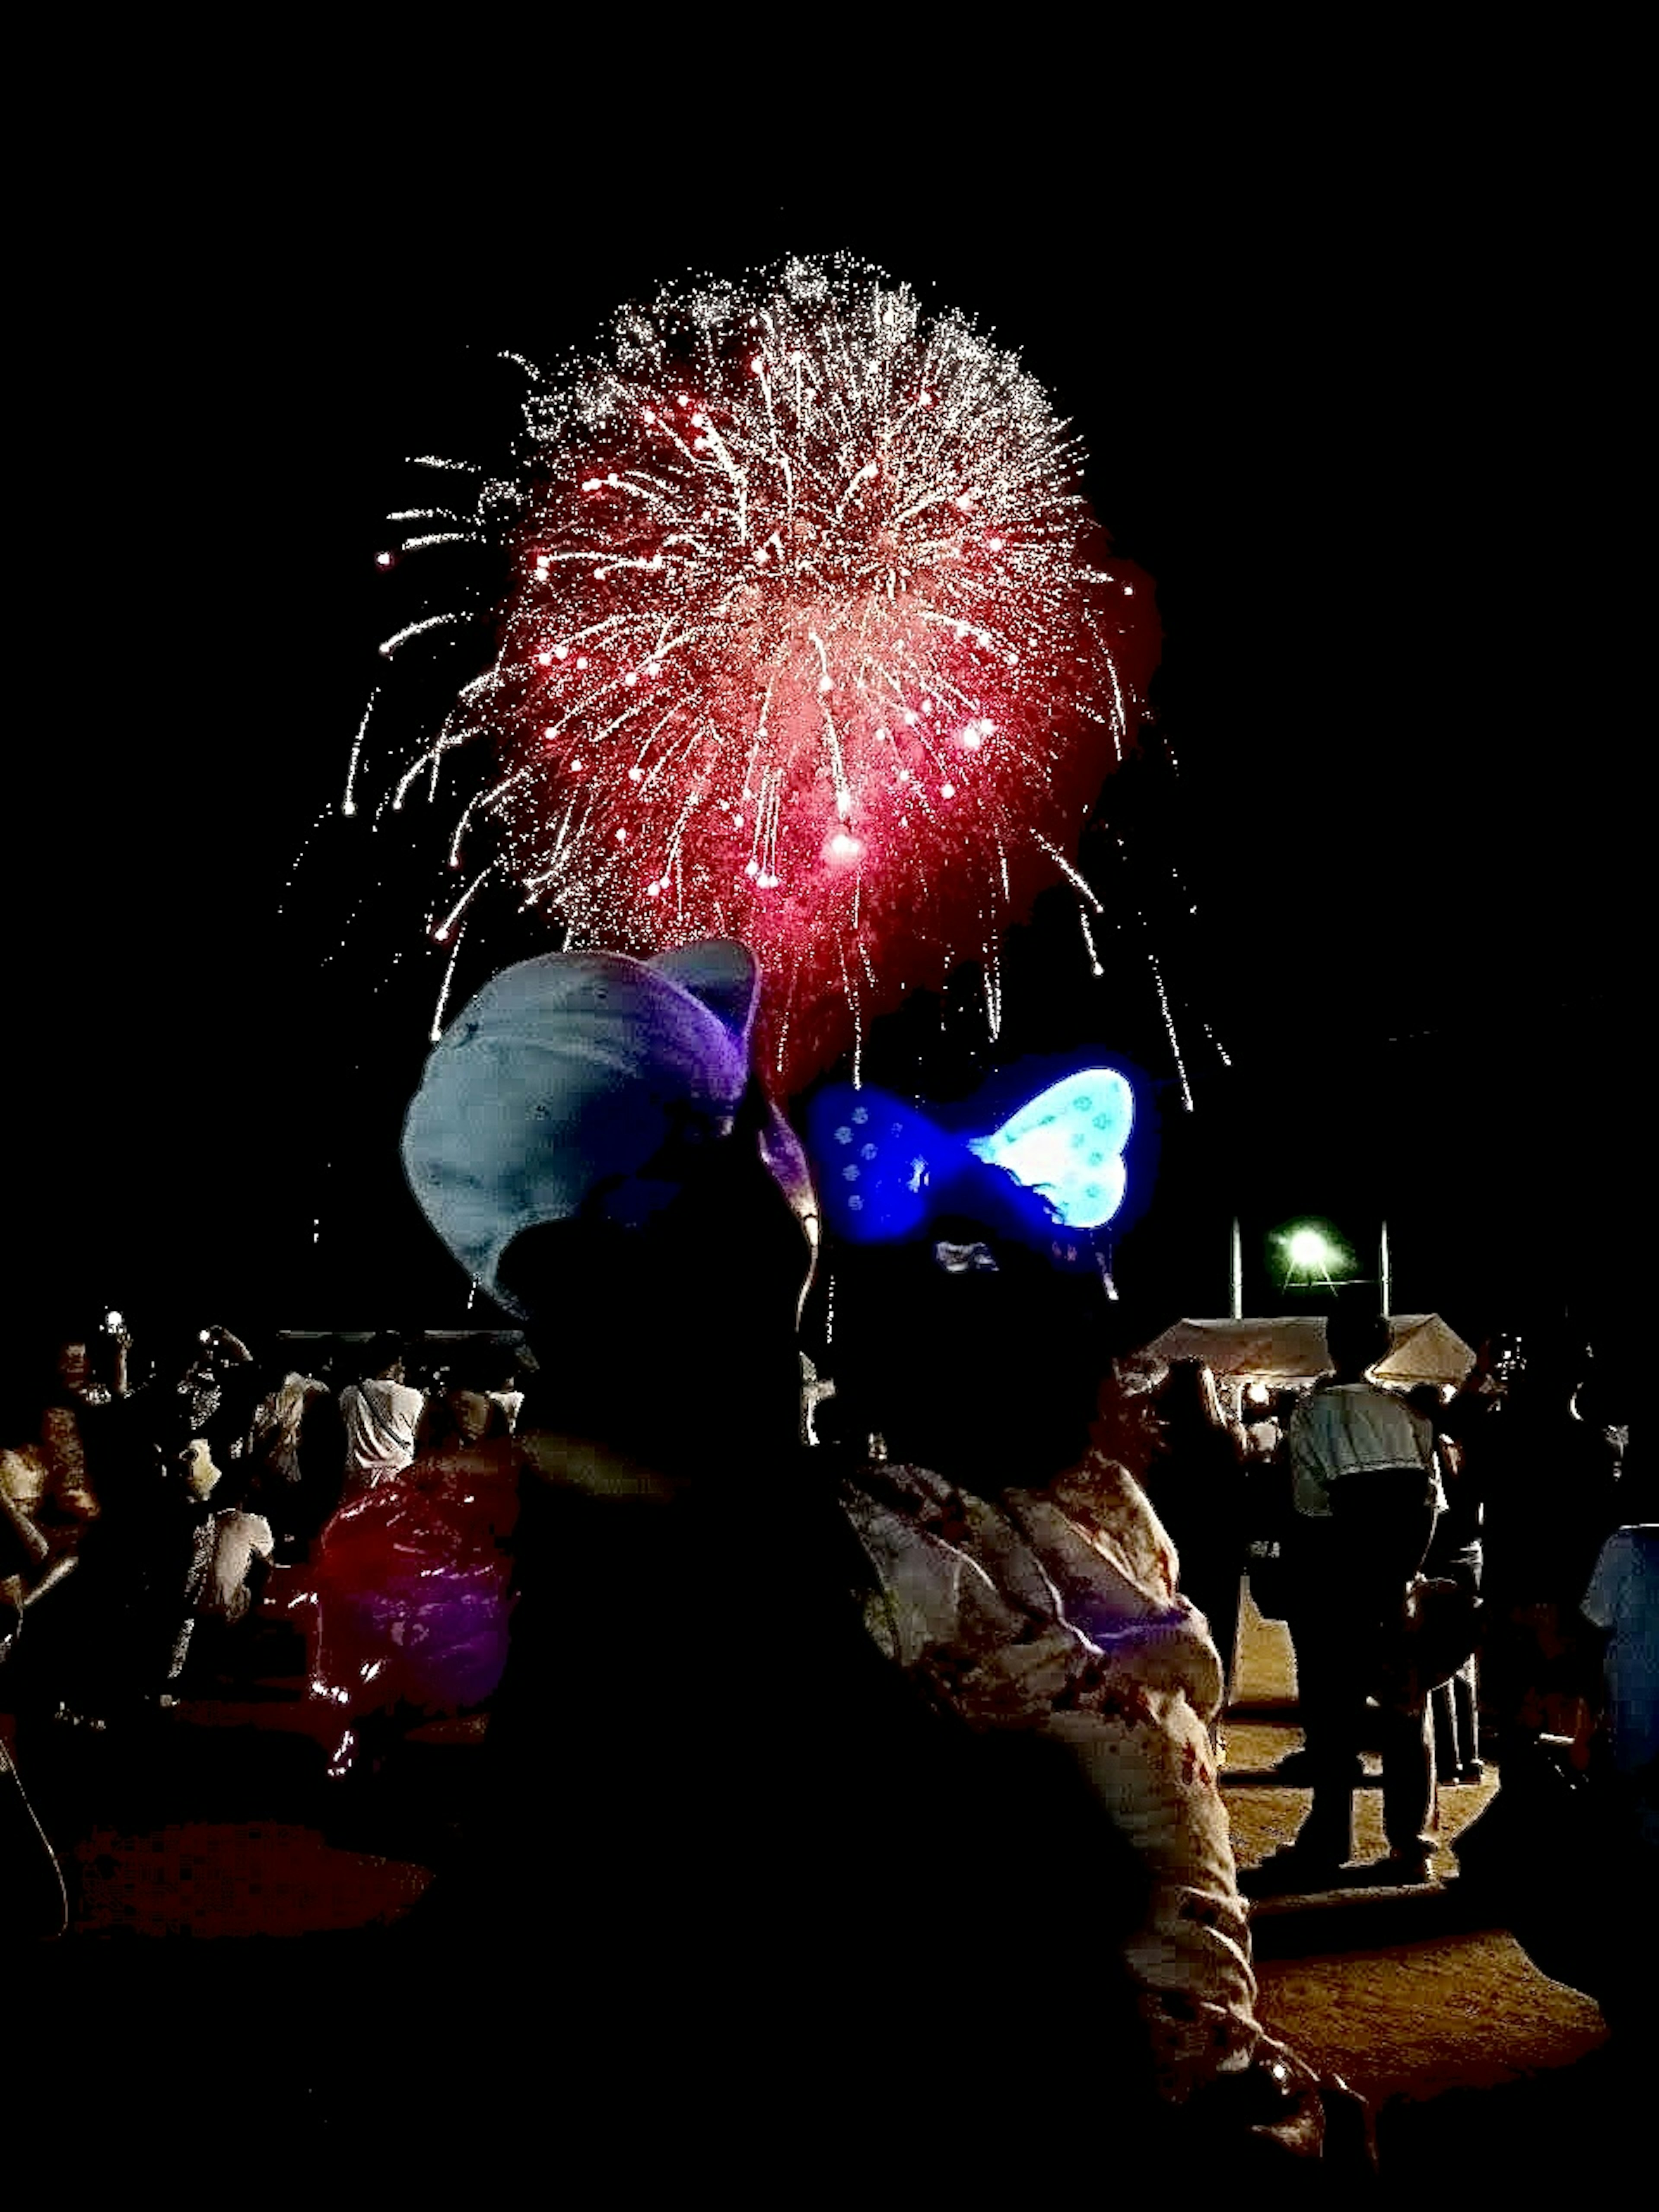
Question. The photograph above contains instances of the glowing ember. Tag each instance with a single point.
(812, 640)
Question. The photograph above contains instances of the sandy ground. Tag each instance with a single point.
(1484, 2074)
(1465, 2051)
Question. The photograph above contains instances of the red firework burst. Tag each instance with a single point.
(812, 640)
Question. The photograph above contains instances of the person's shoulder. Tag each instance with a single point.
(1599, 1602)
(1635, 1546)
(1397, 1398)
(1101, 1493)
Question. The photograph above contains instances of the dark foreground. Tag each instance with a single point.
(241, 1980)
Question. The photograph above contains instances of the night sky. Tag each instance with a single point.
(1367, 422)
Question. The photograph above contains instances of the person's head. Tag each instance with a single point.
(469, 1415)
(320, 1360)
(986, 1369)
(41, 1366)
(57, 1354)
(1127, 1427)
(474, 1366)
(74, 1365)
(1606, 1396)
(681, 1331)
(25, 1392)
(183, 1351)
(1255, 1405)
(588, 1140)
(1428, 1399)
(1559, 1361)
(1188, 1399)
(1356, 1340)
(384, 1359)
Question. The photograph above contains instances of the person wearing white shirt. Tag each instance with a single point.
(382, 1421)
(1366, 1490)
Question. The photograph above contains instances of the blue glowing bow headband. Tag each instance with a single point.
(884, 1168)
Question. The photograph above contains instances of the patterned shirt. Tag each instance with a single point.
(968, 1600)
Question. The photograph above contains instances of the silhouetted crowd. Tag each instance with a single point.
(140, 1516)
(1466, 1572)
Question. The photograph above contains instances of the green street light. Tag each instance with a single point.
(1309, 1249)
(1312, 1255)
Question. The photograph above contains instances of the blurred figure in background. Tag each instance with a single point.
(1549, 1480)
(382, 1416)
(508, 1393)
(232, 1550)
(204, 1383)
(43, 1459)
(1195, 1479)
(47, 1516)
(464, 1411)
(1567, 1852)
(178, 1548)
(296, 1453)
(1455, 1555)
(1255, 1420)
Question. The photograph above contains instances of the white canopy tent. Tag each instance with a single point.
(1292, 1349)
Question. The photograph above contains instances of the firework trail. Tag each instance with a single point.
(811, 639)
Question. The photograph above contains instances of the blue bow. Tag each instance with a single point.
(884, 1168)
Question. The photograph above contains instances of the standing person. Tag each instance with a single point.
(1365, 1495)
(202, 1386)
(43, 1458)
(239, 1550)
(49, 1517)
(296, 1453)
(466, 1411)
(1549, 1480)
(1455, 1555)
(1196, 1483)
(1622, 1604)
(507, 1395)
(382, 1417)
(34, 1897)
(186, 1536)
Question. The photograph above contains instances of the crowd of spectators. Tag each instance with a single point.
(141, 1513)
(1468, 1574)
